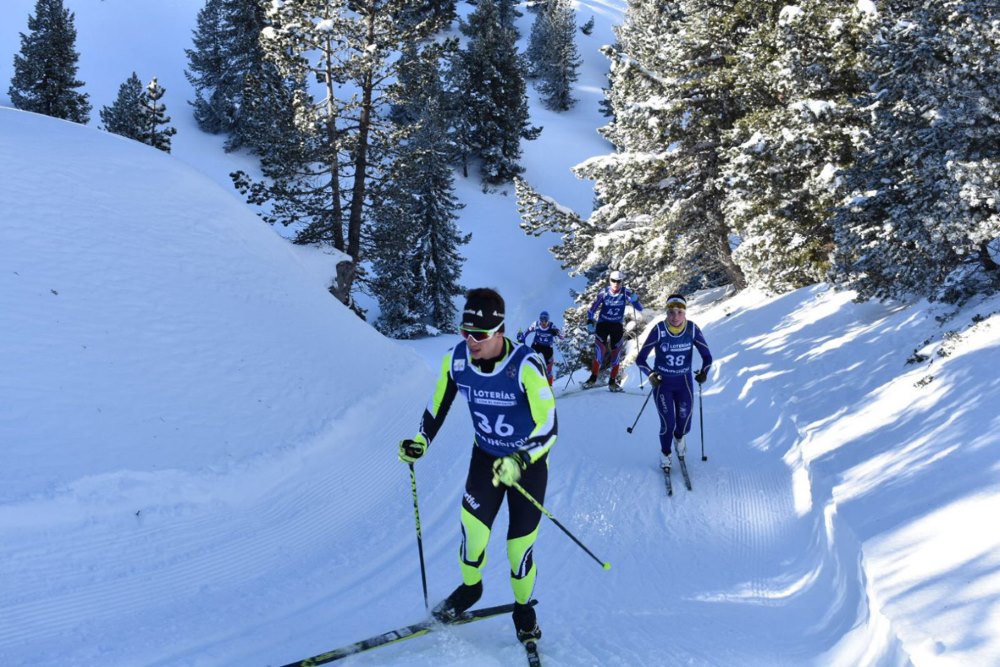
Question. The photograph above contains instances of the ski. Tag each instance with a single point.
(684, 471)
(534, 660)
(401, 634)
(666, 477)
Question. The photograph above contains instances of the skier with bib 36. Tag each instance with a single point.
(514, 416)
(544, 337)
(606, 320)
(674, 342)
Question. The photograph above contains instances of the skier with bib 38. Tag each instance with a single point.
(674, 342)
(606, 320)
(545, 335)
(514, 416)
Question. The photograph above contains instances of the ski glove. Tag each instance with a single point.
(701, 376)
(507, 470)
(655, 379)
(520, 336)
(411, 450)
(590, 326)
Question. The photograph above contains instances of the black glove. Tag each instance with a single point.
(655, 379)
(701, 376)
(411, 450)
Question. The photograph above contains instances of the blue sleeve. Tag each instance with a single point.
(634, 298)
(702, 347)
(596, 306)
(648, 346)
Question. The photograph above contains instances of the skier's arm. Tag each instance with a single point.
(633, 299)
(543, 409)
(648, 346)
(702, 347)
(596, 306)
(437, 408)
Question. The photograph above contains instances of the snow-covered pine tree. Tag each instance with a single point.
(799, 71)
(660, 201)
(45, 69)
(344, 142)
(237, 89)
(552, 54)
(127, 116)
(926, 206)
(494, 100)
(156, 131)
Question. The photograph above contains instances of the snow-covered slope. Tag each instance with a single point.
(197, 444)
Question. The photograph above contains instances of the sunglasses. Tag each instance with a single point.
(616, 282)
(480, 335)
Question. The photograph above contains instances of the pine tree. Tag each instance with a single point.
(659, 198)
(798, 72)
(414, 238)
(127, 116)
(206, 63)
(494, 99)
(925, 204)
(320, 178)
(238, 91)
(156, 132)
(45, 69)
(552, 54)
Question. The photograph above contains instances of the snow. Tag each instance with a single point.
(198, 443)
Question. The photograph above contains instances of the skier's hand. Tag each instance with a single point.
(411, 450)
(655, 379)
(520, 336)
(507, 470)
(590, 326)
(701, 376)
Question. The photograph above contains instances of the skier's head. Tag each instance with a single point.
(615, 280)
(676, 310)
(543, 318)
(482, 322)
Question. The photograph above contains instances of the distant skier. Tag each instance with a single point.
(514, 416)
(545, 334)
(673, 342)
(608, 310)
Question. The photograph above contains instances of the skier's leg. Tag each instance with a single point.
(523, 529)
(479, 509)
(665, 409)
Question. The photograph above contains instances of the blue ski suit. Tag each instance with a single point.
(674, 354)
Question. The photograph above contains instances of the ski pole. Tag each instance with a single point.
(629, 429)
(420, 539)
(605, 565)
(701, 420)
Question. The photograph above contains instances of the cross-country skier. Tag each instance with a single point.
(673, 342)
(545, 334)
(514, 416)
(608, 312)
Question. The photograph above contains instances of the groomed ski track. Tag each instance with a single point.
(328, 547)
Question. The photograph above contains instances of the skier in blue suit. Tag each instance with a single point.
(543, 336)
(674, 342)
(606, 320)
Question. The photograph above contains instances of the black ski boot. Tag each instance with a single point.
(590, 382)
(613, 385)
(526, 623)
(463, 597)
